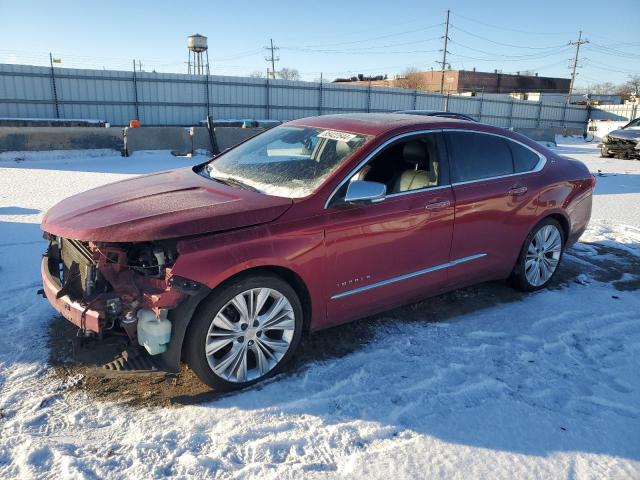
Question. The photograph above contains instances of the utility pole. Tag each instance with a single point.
(53, 85)
(272, 58)
(443, 64)
(575, 64)
(135, 90)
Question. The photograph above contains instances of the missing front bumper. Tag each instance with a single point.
(80, 315)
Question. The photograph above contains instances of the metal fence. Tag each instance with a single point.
(620, 113)
(175, 99)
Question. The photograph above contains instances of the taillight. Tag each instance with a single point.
(592, 181)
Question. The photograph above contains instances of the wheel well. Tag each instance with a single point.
(289, 276)
(564, 223)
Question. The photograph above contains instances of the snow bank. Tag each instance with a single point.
(570, 140)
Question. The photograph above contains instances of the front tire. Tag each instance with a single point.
(540, 256)
(244, 332)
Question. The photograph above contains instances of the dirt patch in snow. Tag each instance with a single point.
(584, 263)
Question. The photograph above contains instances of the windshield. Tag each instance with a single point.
(633, 124)
(285, 161)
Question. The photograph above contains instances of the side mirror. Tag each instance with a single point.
(361, 191)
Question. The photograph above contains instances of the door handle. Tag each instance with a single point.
(437, 204)
(517, 190)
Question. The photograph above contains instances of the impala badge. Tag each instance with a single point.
(353, 281)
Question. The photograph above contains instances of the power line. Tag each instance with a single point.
(608, 68)
(245, 54)
(374, 38)
(613, 51)
(367, 46)
(549, 65)
(503, 59)
(358, 49)
(501, 43)
(500, 56)
(598, 35)
(507, 28)
(365, 52)
(370, 28)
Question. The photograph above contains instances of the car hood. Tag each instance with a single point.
(625, 134)
(170, 204)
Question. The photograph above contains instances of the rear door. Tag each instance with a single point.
(495, 204)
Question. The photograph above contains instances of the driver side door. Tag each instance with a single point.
(385, 254)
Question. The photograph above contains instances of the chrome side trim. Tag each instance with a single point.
(407, 276)
(418, 190)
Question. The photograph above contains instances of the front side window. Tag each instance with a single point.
(287, 161)
(477, 156)
(411, 164)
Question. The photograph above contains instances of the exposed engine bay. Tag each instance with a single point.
(619, 147)
(122, 284)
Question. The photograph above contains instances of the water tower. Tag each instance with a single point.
(197, 45)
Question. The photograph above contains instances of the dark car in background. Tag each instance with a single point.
(438, 113)
(622, 143)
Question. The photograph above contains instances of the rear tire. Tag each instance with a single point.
(244, 332)
(540, 256)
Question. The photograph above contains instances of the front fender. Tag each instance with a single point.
(213, 259)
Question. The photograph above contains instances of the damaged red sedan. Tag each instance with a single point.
(311, 224)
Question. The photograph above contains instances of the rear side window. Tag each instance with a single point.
(477, 156)
(524, 159)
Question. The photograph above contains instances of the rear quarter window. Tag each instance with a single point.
(524, 159)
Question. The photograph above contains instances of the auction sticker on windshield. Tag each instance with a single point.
(335, 135)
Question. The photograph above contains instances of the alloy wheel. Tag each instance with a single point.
(543, 255)
(250, 334)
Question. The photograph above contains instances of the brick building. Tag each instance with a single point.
(459, 81)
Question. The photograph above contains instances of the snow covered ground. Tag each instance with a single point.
(545, 385)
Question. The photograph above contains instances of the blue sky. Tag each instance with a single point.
(339, 38)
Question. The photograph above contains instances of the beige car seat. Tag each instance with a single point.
(425, 171)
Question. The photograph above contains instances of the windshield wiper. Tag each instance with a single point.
(233, 182)
(230, 181)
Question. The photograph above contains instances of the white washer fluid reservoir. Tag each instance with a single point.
(153, 333)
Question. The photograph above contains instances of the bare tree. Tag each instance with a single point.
(411, 78)
(625, 90)
(289, 74)
(604, 88)
(633, 85)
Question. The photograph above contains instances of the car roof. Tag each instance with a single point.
(387, 124)
(436, 113)
(427, 112)
(377, 123)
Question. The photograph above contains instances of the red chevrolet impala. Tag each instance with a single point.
(311, 224)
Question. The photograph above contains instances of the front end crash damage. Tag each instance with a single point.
(621, 145)
(118, 288)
